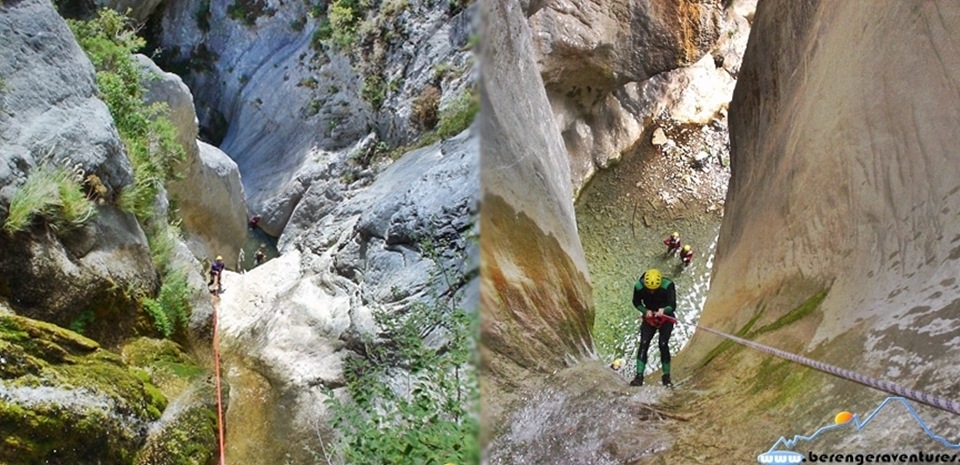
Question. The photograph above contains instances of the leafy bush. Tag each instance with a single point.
(161, 238)
(458, 114)
(433, 417)
(247, 11)
(53, 193)
(171, 308)
(150, 138)
(151, 142)
(453, 119)
(374, 90)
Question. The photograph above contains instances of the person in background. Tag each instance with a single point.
(686, 255)
(260, 256)
(255, 221)
(673, 243)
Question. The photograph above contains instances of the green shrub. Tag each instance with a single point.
(340, 21)
(374, 90)
(247, 11)
(53, 193)
(298, 24)
(149, 137)
(454, 118)
(458, 114)
(424, 113)
(171, 308)
(151, 145)
(434, 419)
(161, 238)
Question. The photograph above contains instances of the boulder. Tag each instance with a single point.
(214, 217)
(93, 272)
(209, 195)
(58, 117)
(63, 398)
(586, 48)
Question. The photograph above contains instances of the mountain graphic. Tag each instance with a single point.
(777, 455)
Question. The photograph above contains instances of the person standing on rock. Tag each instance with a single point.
(655, 297)
(686, 255)
(216, 270)
(673, 243)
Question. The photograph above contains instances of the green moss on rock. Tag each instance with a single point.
(190, 439)
(65, 400)
(163, 362)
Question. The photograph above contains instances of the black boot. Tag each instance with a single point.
(637, 380)
(666, 380)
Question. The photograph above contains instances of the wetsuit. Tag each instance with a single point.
(215, 270)
(672, 244)
(686, 257)
(644, 299)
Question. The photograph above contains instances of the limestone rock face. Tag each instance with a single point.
(537, 303)
(611, 68)
(139, 10)
(280, 104)
(57, 116)
(844, 164)
(295, 319)
(209, 197)
(587, 46)
(59, 119)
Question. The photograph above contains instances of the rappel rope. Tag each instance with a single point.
(879, 384)
(216, 363)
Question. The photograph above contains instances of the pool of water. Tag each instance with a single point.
(256, 239)
(622, 226)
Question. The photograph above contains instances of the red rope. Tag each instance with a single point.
(216, 362)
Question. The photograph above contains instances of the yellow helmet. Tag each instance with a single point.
(651, 279)
(219, 258)
(686, 248)
(675, 234)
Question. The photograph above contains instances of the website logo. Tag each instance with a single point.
(780, 452)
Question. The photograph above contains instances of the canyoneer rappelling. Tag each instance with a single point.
(656, 298)
(216, 271)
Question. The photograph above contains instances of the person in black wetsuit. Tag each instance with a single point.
(216, 270)
(654, 296)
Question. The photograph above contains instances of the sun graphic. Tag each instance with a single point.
(843, 417)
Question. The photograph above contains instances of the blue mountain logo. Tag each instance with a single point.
(788, 456)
